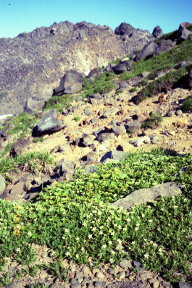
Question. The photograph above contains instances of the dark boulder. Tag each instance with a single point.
(157, 32)
(70, 83)
(147, 51)
(122, 67)
(108, 68)
(124, 29)
(93, 73)
(49, 124)
(19, 147)
(164, 45)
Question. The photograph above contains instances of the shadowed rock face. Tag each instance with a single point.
(32, 64)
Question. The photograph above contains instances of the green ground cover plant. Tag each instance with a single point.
(102, 83)
(21, 124)
(153, 121)
(33, 162)
(17, 127)
(75, 219)
(165, 82)
(59, 102)
(187, 105)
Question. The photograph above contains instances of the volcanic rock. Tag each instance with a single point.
(157, 32)
(48, 124)
(146, 195)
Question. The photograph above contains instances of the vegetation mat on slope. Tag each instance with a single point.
(164, 61)
(74, 218)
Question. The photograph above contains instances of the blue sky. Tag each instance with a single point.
(26, 15)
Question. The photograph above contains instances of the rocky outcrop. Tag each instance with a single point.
(32, 64)
(147, 51)
(146, 195)
(122, 67)
(157, 32)
(70, 83)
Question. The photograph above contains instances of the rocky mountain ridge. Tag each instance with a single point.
(33, 63)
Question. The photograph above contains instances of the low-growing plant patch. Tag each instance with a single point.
(59, 102)
(165, 82)
(133, 89)
(75, 220)
(152, 122)
(77, 118)
(162, 62)
(187, 105)
(33, 161)
(21, 124)
(103, 83)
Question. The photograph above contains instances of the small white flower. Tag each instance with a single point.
(90, 236)
(146, 255)
(104, 246)
(119, 241)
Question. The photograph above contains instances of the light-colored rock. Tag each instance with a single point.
(49, 123)
(111, 112)
(114, 155)
(146, 195)
(125, 264)
(2, 184)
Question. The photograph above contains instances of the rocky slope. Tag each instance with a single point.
(33, 63)
(103, 127)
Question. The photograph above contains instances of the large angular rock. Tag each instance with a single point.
(133, 126)
(19, 147)
(2, 184)
(185, 34)
(163, 46)
(119, 130)
(157, 32)
(122, 67)
(49, 124)
(147, 51)
(70, 83)
(114, 155)
(124, 29)
(146, 195)
(105, 136)
(34, 105)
